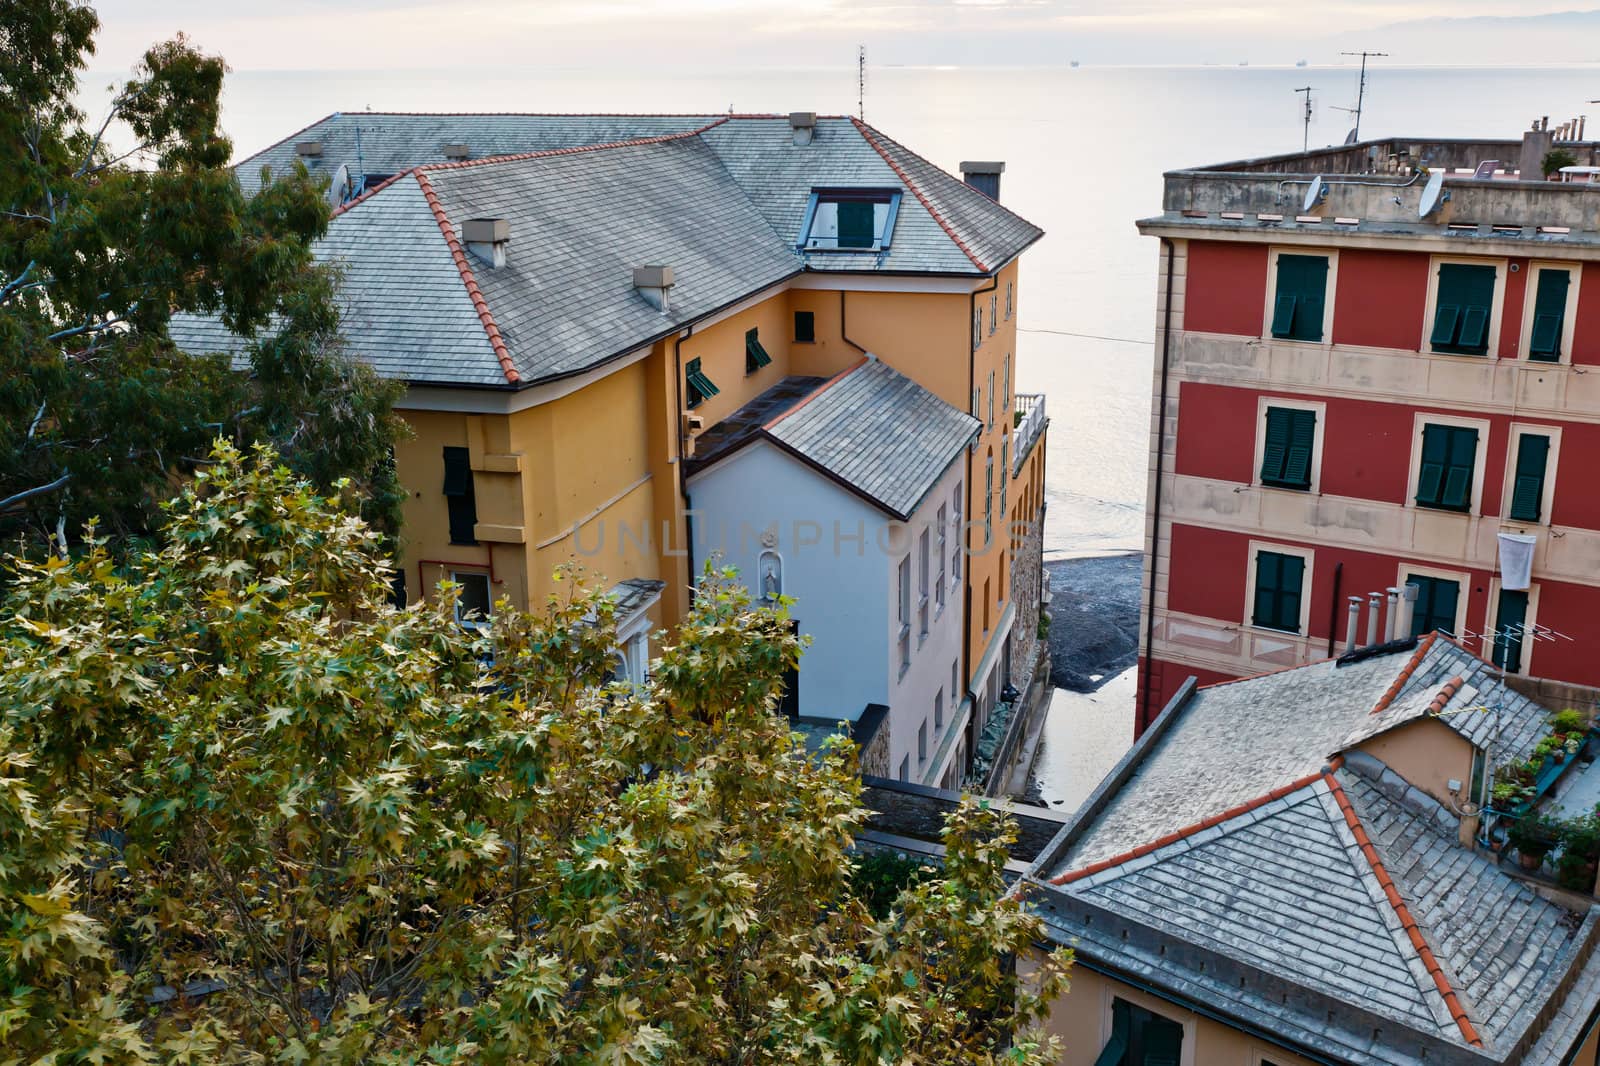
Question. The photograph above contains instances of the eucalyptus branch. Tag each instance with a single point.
(37, 490)
(17, 283)
(88, 156)
(87, 327)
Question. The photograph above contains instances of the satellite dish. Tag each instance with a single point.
(1433, 194)
(1350, 138)
(1315, 195)
(339, 187)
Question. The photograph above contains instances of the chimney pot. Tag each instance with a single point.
(1374, 610)
(655, 285)
(308, 149)
(486, 239)
(457, 152)
(984, 175)
(1352, 630)
(803, 125)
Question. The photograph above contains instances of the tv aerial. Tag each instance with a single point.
(1433, 194)
(1315, 195)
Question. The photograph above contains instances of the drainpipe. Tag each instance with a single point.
(1333, 609)
(1155, 507)
(844, 330)
(683, 476)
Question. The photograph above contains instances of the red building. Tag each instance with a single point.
(1359, 386)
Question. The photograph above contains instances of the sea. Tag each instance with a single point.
(1085, 148)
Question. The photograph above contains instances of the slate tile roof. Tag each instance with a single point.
(720, 199)
(1239, 860)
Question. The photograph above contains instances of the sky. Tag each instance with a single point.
(755, 34)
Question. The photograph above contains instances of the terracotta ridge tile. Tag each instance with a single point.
(1407, 921)
(369, 193)
(496, 341)
(818, 391)
(1445, 694)
(1405, 673)
(866, 134)
(1190, 830)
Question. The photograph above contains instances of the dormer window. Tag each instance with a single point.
(849, 220)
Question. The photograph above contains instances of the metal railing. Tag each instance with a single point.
(1031, 421)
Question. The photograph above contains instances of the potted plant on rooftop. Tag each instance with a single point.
(1580, 852)
(1534, 837)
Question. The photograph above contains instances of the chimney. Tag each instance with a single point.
(1535, 144)
(309, 150)
(457, 152)
(984, 175)
(1391, 626)
(1408, 610)
(803, 125)
(655, 285)
(1374, 610)
(486, 239)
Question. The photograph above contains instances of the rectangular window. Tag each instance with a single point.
(922, 586)
(1287, 449)
(988, 504)
(1527, 488)
(805, 327)
(1141, 1038)
(1005, 390)
(1005, 478)
(904, 612)
(1510, 630)
(942, 546)
(986, 602)
(960, 538)
(938, 709)
(1462, 309)
(1278, 585)
(1449, 460)
(1549, 315)
(955, 684)
(977, 327)
(922, 742)
(905, 768)
(755, 356)
(697, 386)
(1437, 599)
(991, 400)
(1008, 301)
(994, 314)
(1300, 297)
(459, 497)
(474, 605)
(849, 220)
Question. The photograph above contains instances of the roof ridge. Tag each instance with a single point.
(496, 341)
(818, 391)
(1407, 921)
(869, 135)
(1190, 830)
(1405, 673)
(566, 114)
(573, 150)
(368, 193)
(285, 140)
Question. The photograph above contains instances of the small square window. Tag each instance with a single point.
(849, 220)
(805, 327)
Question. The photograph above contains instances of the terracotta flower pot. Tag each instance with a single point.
(1530, 862)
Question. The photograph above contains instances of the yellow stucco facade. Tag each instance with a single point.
(587, 471)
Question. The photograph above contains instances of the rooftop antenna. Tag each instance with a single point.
(1361, 90)
(1305, 118)
(861, 82)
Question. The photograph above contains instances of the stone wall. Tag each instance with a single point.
(1027, 587)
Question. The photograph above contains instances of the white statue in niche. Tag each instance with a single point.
(771, 576)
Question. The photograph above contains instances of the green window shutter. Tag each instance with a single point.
(1163, 1042)
(1435, 451)
(1275, 449)
(1465, 304)
(698, 386)
(1436, 604)
(1278, 590)
(1449, 461)
(755, 356)
(855, 224)
(1301, 293)
(1527, 489)
(1509, 619)
(460, 500)
(1302, 435)
(1549, 315)
(1112, 1054)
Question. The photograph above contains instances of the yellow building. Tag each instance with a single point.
(1284, 871)
(573, 300)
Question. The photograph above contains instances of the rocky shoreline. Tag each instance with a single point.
(1094, 619)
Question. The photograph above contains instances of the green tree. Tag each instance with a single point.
(99, 248)
(252, 813)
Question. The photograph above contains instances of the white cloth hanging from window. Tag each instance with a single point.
(1516, 560)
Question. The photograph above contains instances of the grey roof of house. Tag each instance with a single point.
(720, 199)
(1280, 918)
(1239, 740)
(879, 433)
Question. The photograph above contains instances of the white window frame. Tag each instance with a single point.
(1529, 645)
(1462, 578)
(1009, 304)
(994, 313)
(1332, 256)
(1418, 422)
(456, 576)
(1005, 390)
(1307, 583)
(977, 326)
(1496, 310)
(942, 548)
(1551, 462)
(1318, 408)
(1530, 295)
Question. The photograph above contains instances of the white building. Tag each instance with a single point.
(846, 495)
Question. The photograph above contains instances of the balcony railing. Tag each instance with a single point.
(1030, 425)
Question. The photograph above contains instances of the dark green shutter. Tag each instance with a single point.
(1286, 450)
(696, 384)
(855, 224)
(1300, 297)
(1163, 1042)
(1112, 1054)
(1549, 315)
(805, 326)
(1527, 489)
(1509, 620)
(1458, 476)
(1436, 604)
(460, 499)
(1277, 595)
(755, 356)
(1463, 309)
(1435, 451)
(1449, 460)
(1275, 450)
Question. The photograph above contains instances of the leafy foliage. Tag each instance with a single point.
(251, 813)
(1555, 159)
(97, 252)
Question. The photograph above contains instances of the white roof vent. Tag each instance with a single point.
(457, 152)
(655, 285)
(308, 149)
(486, 239)
(803, 124)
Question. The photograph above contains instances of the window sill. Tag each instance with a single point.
(1282, 486)
(1257, 626)
(1451, 351)
(1439, 508)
